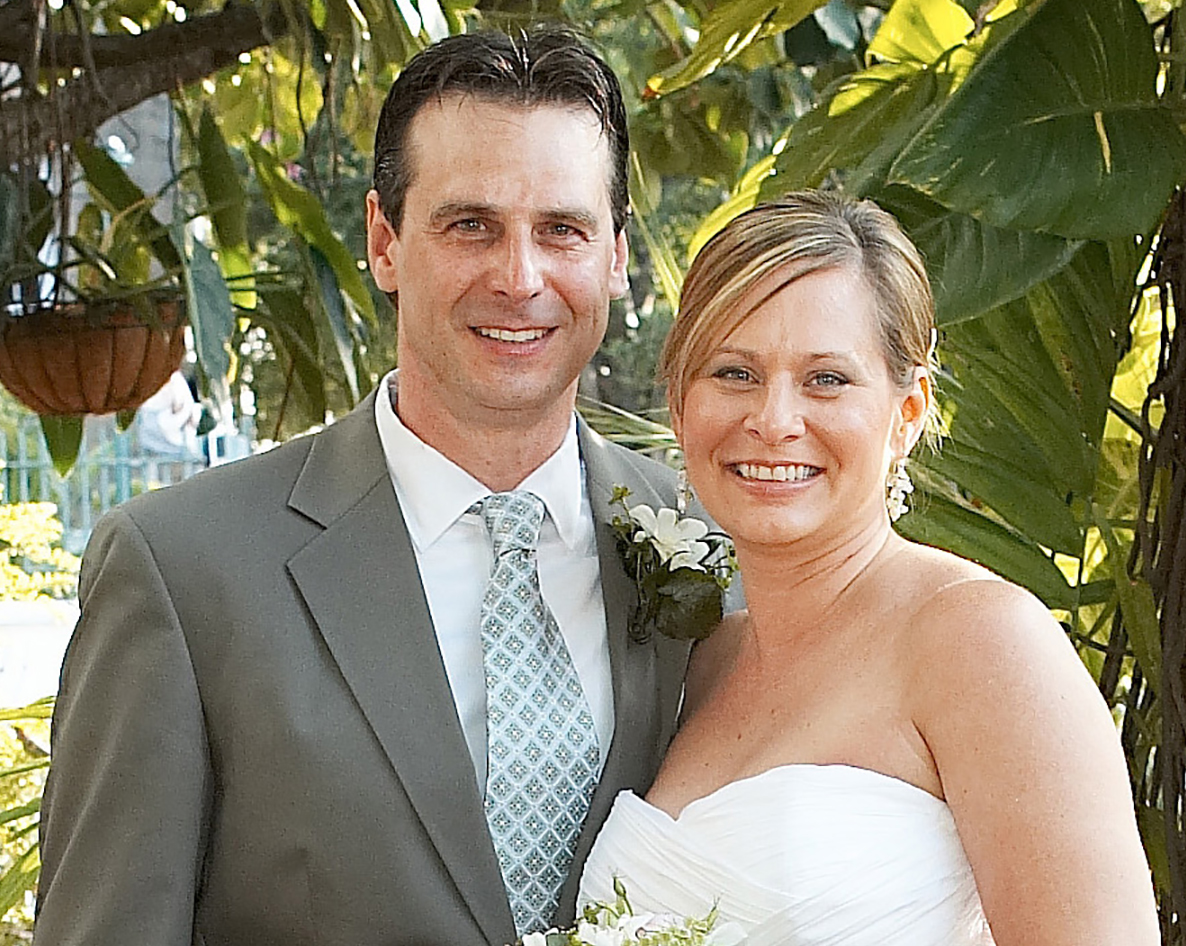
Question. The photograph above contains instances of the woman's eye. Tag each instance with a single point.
(828, 379)
(733, 373)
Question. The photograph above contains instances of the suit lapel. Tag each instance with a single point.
(360, 581)
(630, 761)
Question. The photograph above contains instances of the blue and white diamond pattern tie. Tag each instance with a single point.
(543, 758)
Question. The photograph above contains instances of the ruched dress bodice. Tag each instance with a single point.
(800, 855)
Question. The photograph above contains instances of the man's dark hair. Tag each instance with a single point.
(544, 66)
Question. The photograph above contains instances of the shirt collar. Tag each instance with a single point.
(434, 492)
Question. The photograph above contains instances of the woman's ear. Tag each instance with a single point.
(913, 410)
(676, 419)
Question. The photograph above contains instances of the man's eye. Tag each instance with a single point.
(469, 225)
(563, 230)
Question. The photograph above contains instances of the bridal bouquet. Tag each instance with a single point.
(616, 924)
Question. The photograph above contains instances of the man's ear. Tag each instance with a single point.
(619, 276)
(382, 245)
(913, 410)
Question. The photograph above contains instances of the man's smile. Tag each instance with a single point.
(512, 335)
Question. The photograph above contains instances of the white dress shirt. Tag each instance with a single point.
(453, 553)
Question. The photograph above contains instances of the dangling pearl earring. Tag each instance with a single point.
(897, 488)
(683, 491)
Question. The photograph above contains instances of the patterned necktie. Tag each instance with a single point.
(543, 759)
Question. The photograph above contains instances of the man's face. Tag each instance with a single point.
(505, 262)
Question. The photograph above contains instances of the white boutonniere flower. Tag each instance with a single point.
(676, 540)
(681, 570)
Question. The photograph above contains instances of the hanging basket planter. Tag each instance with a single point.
(95, 358)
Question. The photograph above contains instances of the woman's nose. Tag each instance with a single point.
(777, 414)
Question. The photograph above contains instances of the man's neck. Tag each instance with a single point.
(499, 450)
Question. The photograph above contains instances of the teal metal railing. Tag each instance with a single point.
(112, 467)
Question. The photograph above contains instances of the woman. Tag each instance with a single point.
(893, 745)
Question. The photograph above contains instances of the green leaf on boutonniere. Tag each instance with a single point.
(696, 608)
(680, 569)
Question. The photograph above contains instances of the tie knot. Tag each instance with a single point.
(513, 520)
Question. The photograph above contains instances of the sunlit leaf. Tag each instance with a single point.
(20, 876)
(729, 29)
(920, 31)
(299, 209)
(228, 208)
(858, 130)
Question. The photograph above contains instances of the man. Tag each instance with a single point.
(273, 720)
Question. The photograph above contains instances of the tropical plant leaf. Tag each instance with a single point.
(1067, 98)
(20, 876)
(1014, 492)
(227, 201)
(224, 191)
(20, 811)
(290, 326)
(726, 32)
(1031, 378)
(39, 709)
(1151, 822)
(210, 312)
(630, 430)
(858, 129)
(298, 209)
(63, 438)
(743, 198)
(920, 31)
(334, 307)
(946, 524)
(974, 267)
(1138, 607)
(112, 183)
(662, 258)
(24, 768)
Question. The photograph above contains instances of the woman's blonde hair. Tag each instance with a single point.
(801, 233)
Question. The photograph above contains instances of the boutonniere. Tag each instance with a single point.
(680, 568)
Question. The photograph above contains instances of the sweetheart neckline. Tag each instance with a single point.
(818, 767)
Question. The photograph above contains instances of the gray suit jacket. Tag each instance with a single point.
(255, 742)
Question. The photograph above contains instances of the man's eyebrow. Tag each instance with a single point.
(456, 209)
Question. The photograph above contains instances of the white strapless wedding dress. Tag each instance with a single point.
(801, 855)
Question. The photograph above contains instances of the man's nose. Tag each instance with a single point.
(519, 269)
(776, 414)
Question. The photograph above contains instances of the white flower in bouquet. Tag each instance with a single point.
(616, 924)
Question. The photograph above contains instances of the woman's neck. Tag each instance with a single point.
(793, 590)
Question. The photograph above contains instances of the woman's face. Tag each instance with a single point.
(789, 427)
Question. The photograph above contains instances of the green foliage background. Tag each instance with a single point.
(1030, 147)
